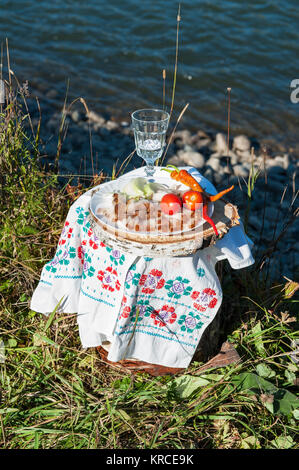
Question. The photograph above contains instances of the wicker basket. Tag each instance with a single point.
(135, 366)
(227, 355)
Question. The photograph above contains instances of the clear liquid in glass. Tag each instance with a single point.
(150, 126)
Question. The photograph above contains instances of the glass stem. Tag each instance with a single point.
(149, 169)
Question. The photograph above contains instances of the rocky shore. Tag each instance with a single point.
(267, 214)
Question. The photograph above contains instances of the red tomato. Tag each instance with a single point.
(170, 204)
(192, 199)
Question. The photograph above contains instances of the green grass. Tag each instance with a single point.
(56, 395)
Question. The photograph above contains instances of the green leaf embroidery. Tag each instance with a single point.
(91, 271)
(72, 252)
(51, 268)
(201, 272)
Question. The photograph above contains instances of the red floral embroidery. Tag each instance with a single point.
(195, 294)
(126, 310)
(93, 239)
(160, 284)
(199, 307)
(166, 314)
(151, 281)
(213, 303)
(93, 244)
(206, 299)
(102, 245)
(81, 251)
(66, 233)
(109, 279)
(142, 279)
(156, 272)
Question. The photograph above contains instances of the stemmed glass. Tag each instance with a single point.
(150, 126)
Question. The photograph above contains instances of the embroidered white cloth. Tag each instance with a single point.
(177, 298)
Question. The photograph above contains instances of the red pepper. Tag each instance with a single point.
(184, 177)
(208, 219)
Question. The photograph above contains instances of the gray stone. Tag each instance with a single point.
(226, 166)
(111, 125)
(248, 166)
(201, 135)
(244, 156)
(75, 115)
(216, 155)
(258, 161)
(221, 146)
(202, 143)
(195, 159)
(175, 160)
(242, 143)
(95, 118)
(270, 162)
(283, 161)
(214, 163)
(218, 177)
(234, 158)
(208, 173)
(182, 138)
(241, 171)
(200, 139)
(127, 131)
(187, 148)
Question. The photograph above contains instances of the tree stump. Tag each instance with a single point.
(209, 349)
(226, 355)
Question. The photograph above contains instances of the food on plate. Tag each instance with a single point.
(208, 219)
(140, 187)
(171, 204)
(146, 215)
(219, 195)
(193, 199)
(148, 207)
(184, 177)
(134, 188)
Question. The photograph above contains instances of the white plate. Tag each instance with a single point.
(99, 199)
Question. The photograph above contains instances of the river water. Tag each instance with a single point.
(114, 53)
